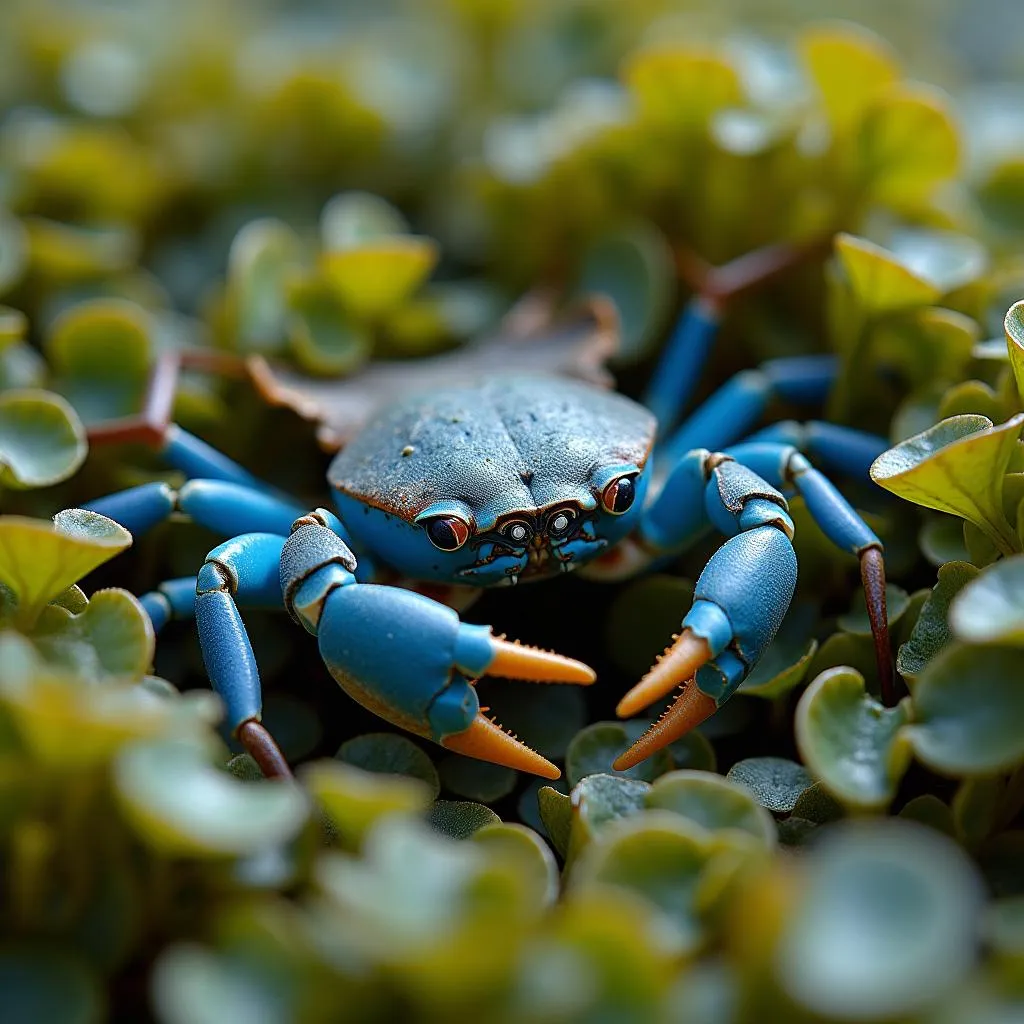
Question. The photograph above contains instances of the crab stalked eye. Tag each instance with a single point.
(448, 533)
(517, 532)
(619, 494)
(560, 522)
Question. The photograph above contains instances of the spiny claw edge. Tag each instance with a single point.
(679, 662)
(686, 712)
(531, 664)
(488, 741)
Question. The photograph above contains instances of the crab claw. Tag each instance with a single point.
(408, 659)
(739, 601)
(488, 741)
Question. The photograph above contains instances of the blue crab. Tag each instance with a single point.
(474, 478)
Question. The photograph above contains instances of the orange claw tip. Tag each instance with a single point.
(487, 741)
(679, 663)
(689, 709)
(516, 661)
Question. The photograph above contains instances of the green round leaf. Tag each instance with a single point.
(181, 805)
(856, 747)
(969, 711)
(375, 277)
(881, 283)
(929, 810)
(816, 804)
(885, 925)
(931, 631)
(658, 856)
(531, 855)
(192, 985)
(101, 352)
(556, 814)
(775, 781)
(599, 799)
(990, 607)
(111, 637)
(476, 780)
(262, 257)
(1013, 325)
(354, 798)
(42, 440)
(459, 819)
(680, 88)
(594, 748)
(39, 560)
(13, 251)
(714, 803)
(352, 218)
(849, 65)
(907, 144)
(390, 754)
(13, 326)
(41, 985)
(324, 340)
(633, 266)
(957, 466)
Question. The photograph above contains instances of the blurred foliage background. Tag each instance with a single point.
(329, 184)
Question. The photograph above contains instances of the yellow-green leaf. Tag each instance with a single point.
(39, 560)
(849, 65)
(681, 88)
(42, 439)
(907, 144)
(1013, 324)
(957, 466)
(881, 283)
(375, 278)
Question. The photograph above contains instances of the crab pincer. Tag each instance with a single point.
(739, 601)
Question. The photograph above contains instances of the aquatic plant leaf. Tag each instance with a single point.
(854, 746)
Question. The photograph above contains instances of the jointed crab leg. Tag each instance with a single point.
(745, 589)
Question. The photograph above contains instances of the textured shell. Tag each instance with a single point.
(502, 446)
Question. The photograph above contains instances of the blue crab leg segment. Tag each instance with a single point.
(739, 602)
(224, 507)
(737, 407)
(172, 599)
(836, 448)
(682, 361)
(839, 521)
(408, 658)
(195, 458)
(245, 571)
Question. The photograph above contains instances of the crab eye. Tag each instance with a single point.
(517, 532)
(560, 522)
(619, 494)
(448, 533)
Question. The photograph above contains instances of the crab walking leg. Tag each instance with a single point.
(733, 411)
(837, 449)
(407, 658)
(686, 353)
(224, 507)
(678, 372)
(244, 571)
